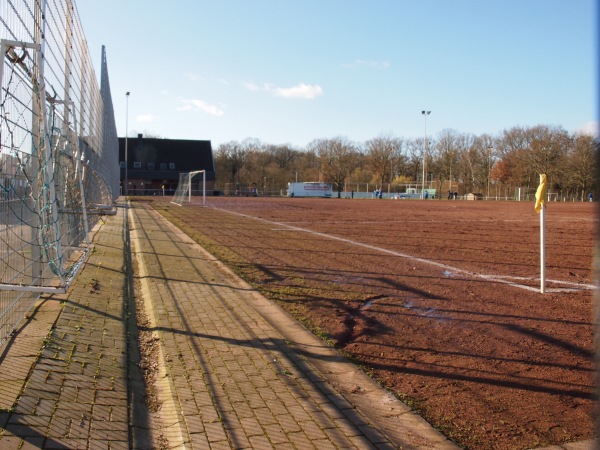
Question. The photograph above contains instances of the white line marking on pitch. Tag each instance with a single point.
(502, 279)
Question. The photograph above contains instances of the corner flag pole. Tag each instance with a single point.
(543, 249)
(540, 207)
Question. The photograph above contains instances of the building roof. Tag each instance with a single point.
(165, 158)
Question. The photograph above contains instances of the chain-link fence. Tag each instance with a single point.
(58, 151)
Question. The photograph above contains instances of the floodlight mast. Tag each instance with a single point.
(126, 190)
(425, 114)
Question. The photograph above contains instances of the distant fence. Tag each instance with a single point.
(58, 151)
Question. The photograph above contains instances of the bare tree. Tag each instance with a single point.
(307, 165)
(547, 149)
(484, 162)
(414, 155)
(580, 168)
(229, 160)
(446, 154)
(468, 162)
(511, 148)
(382, 153)
(511, 160)
(337, 158)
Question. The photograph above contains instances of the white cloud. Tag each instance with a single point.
(251, 86)
(301, 90)
(200, 105)
(591, 128)
(193, 76)
(164, 92)
(146, 118)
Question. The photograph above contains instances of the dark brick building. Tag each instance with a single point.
(153, 163)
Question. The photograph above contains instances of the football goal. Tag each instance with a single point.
(185, 191)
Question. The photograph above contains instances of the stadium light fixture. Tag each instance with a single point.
(126, 132)
(425, 114)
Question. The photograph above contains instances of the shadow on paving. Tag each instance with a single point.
(172, 268)
(77, 391)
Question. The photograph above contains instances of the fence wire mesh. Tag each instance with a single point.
(58, 151)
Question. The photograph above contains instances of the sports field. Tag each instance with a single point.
(439, 300)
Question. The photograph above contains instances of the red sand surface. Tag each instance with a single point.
(438, 300)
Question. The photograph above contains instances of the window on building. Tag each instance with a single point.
(163, 166)
(123, 165)
(172, 166)
(137, 165)
(150, 166)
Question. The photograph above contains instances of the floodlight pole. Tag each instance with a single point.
(126, 131)
(425, 114)
(489, 170)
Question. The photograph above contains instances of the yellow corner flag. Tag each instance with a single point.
(540, 195)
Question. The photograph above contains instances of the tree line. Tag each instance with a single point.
(464, 162)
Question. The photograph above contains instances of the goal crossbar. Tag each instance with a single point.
(184, 188)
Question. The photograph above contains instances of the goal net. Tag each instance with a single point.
(186, 191)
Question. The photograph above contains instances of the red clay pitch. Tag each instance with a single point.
(439, 300)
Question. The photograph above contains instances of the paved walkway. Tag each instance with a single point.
(242, 373)
(67, 368)
(234, 370)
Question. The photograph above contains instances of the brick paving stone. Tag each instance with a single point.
(310, 406)
(24, 430)
(346, 427)
(252, 426)
(215, 432)
(194, 424)
(31, 421)
(324, 444)
(199, 441)
(322, 419)
(88, 396)
(372, 434)
(221, 445)
(277, 435)
(4, 417)
(45, 408)
(59, 427)
(27, 444)
(361, 442)
(289, 424)
(243, 410)
(300, 440)
(265, 416)
(313, 430)
(238, 439)
(115, 435)
(99, 445)
(339, 438)
(118, 445)
(78, 431)
(354, 417)
(26, 405)
(71, 444)
(260, 442)
(75, 411)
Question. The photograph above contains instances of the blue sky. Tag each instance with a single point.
(289, 72)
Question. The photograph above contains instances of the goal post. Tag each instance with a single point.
(183, 193)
